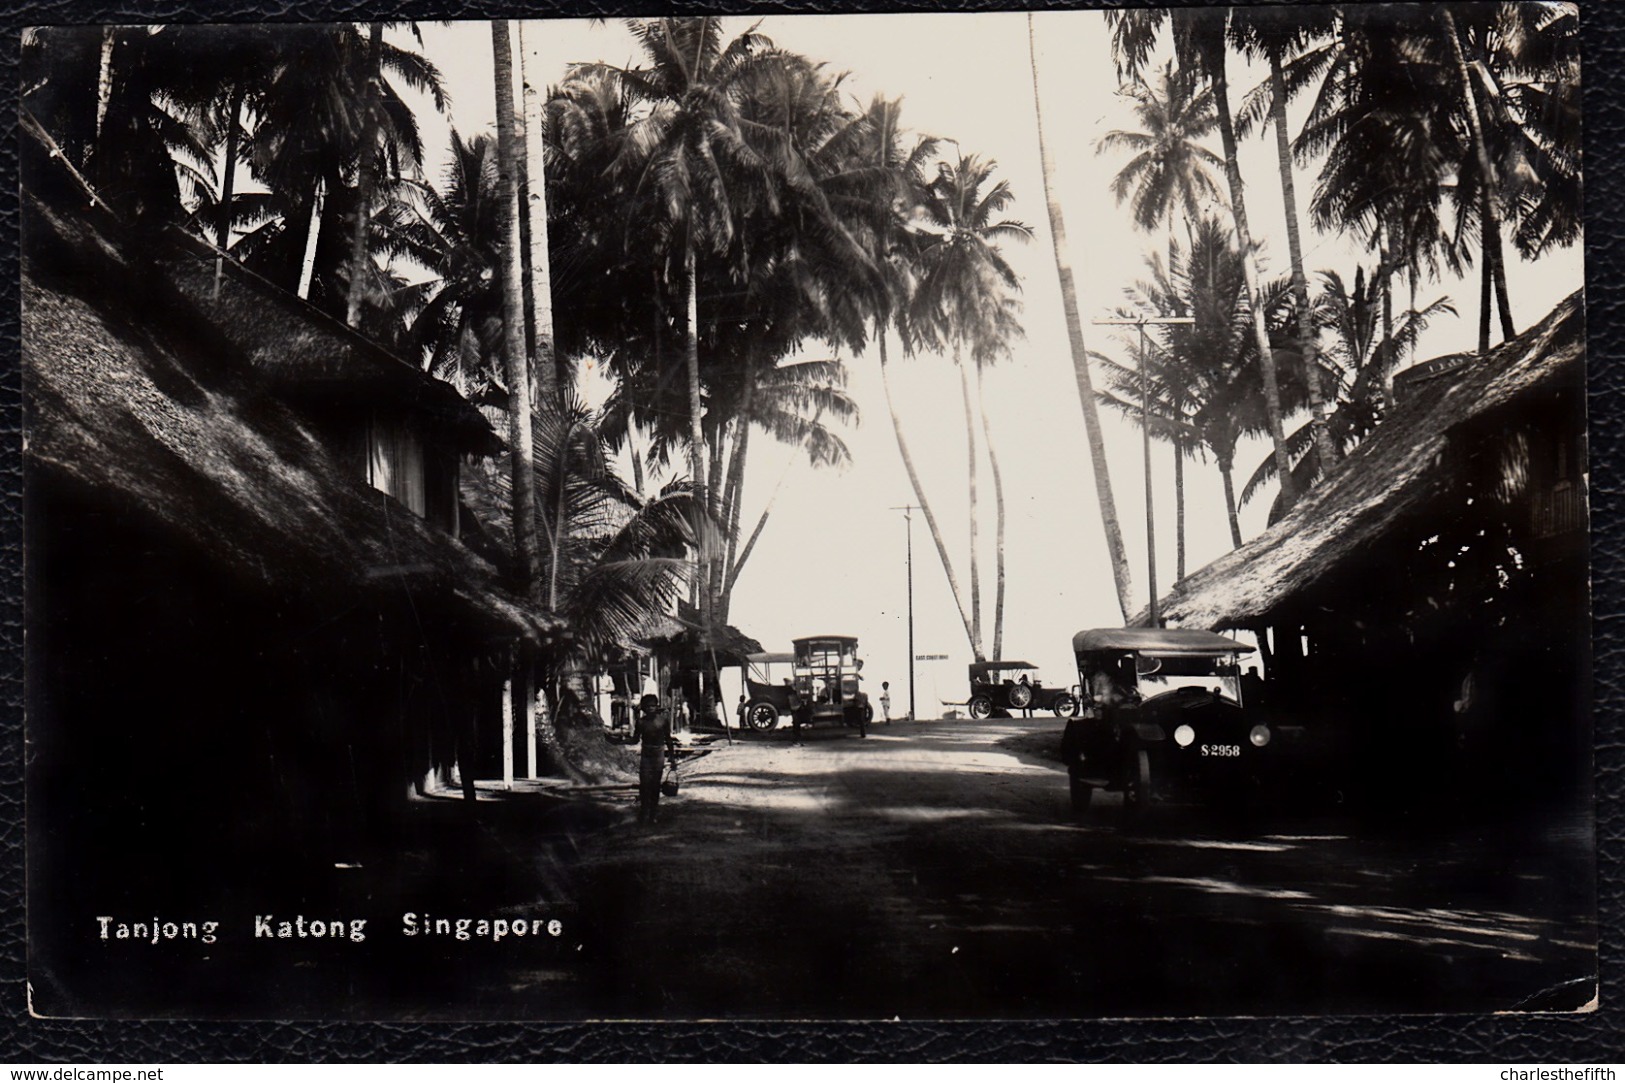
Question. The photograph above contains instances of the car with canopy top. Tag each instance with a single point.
(1163, 715)
(767, 695)
(1007, 686)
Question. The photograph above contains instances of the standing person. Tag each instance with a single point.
(741, 712)
(654, 733)
(885, 700)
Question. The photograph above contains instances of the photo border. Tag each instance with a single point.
(1599, 1035)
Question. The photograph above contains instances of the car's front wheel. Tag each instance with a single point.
(762, 716)
(1082, 795)
(1064, 706)
(1137, 784)
(981, 707)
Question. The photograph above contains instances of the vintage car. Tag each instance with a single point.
(1163, 718)
(1014, 686)
(767, 693)
(823, 686)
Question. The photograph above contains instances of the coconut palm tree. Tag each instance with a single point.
(308, 124)
(885, 181)
(1202, 39)
(1278, 36)
(1205, 383)
(1394, 118)
(964, 300)
(1115, 549)
(686, 146)
(608, 557)
(1362, 346)
(1171, 174)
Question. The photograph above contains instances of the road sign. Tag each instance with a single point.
(930, 657)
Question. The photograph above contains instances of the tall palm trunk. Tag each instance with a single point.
(1179, 510)
(1250, 276)
(307, 268)
(104, 81)
(975, 511)
(998, 502)
(761, 525)
(736, 493)
(1385, 352)
(513, 317)
(1489, 203)
(522, 448)
(1307, 346)
(1080, 357)
(544, 363)
(696, 431)
(228, 178)
(914, 482)
(1227, 465)
(360, 258)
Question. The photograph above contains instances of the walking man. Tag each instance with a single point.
(654, 733)
(885, 700)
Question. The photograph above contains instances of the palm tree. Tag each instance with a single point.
(367, 151)
(885, 182)
(1171, 173)
(1202, 39)
(456, 233)
(539, 282)
(964, 299)
(790, 403)
(609, 557)
(688, 148)
(1115, 549)
(1278, 35)
(509, 159)
(1206, 386)
(1395, 116)
(1363, 345)
(309, 121)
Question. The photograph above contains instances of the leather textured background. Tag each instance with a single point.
(1599, 1036)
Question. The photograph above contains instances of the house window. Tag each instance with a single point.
(395, 463)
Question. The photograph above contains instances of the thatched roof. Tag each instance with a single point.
(138, 400)
(684, 636)
(306, 354)
(1386, 480)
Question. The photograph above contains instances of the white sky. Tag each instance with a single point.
(832, 556)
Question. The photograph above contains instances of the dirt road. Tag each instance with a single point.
(933, 870)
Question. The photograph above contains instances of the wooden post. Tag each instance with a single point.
(528, 687)
(507, 734)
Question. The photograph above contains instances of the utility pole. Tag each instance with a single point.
(908, 511)
(1145, 434)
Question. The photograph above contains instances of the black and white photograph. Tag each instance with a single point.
(1067, 515)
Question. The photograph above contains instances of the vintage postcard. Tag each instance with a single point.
(966, 516)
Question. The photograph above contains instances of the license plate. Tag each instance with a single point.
(1221, 750)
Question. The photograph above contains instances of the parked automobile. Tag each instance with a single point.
(826, 683)
(823, 686)
(1163, 717)
(1015, 686)
(768, 689)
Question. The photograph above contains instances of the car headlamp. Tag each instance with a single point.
(1260, 736)
(1183, 736)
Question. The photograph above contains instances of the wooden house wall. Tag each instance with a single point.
(192, 738)
(1453, 655)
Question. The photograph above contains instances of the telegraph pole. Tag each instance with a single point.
(908, 511)
(1145, 435)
